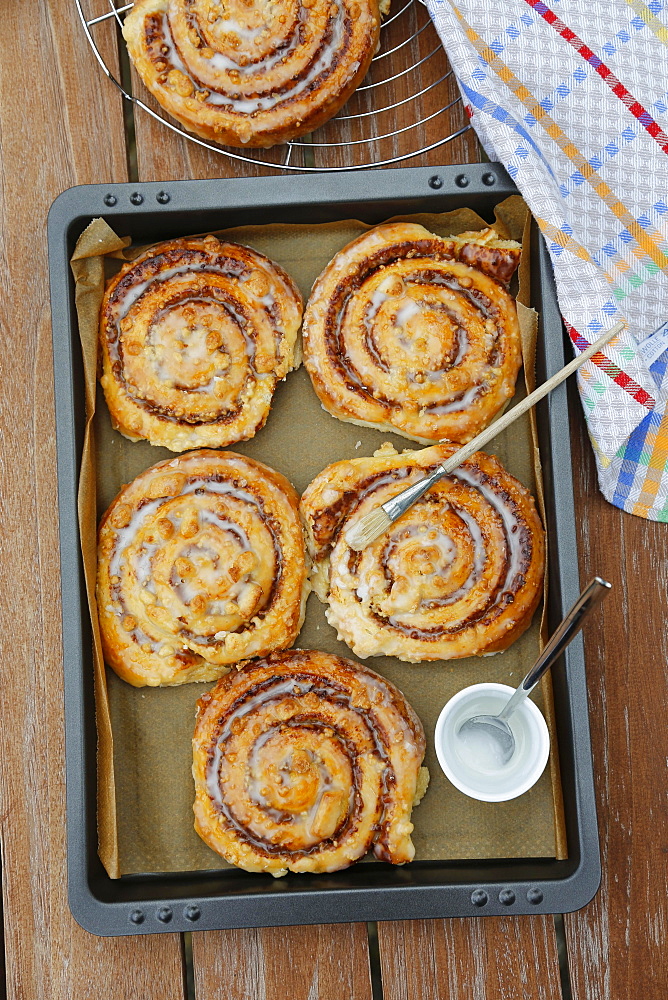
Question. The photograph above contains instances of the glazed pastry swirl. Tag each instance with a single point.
(195, 334)
(248, 73)
(412, 333)
(303, 762)
(201, 563)
(460, 574)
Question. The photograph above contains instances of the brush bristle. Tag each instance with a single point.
(368, 529)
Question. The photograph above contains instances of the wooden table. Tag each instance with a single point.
(61, 123)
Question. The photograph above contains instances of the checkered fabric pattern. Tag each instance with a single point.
(572, 97)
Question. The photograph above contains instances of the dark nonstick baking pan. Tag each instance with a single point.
(208, 900)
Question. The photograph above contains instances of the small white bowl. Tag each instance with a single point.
(490, 782)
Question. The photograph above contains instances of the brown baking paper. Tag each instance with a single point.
(145, 789)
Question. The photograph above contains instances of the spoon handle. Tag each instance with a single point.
(586, 602)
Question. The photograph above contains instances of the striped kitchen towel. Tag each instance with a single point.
(572, 97)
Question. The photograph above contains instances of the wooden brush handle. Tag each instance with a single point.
(507, 419)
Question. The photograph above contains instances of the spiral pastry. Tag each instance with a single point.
(249, 73)
(201, 563)
(194, 336)
(459, 574)
(303, 762)
(415, 334)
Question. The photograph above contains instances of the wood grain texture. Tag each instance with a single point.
(617, 945)
(74, 136)
(326, 962)
(411, 91)
(490, 958)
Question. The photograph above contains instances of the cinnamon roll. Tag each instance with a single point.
(195, 333)
(201, 563)
(415, 334)
(459, 574)
(248, 73)
(303, 762)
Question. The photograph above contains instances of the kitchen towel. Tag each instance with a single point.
(572, 97)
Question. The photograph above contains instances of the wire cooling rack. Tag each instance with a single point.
(410, 72)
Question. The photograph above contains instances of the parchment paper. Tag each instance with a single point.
(145, 789)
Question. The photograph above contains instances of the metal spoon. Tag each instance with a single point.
(496, 727)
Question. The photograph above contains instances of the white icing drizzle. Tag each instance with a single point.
(479, 551)
(125, 536)
(172, 53)
(142, 559)
(377, 299)
(273, 692)
(196, 344)
(142, 567)
(194, 336)
(365, 585)
(390, 479)
(373, 691)
(306, 820)
(479, 558)
(514, 529)
(256, 71)
(406, 312)
(235, 27)
(463, 347)
(125, 302)
(242, 325)
(210, 486)
(446, 547)
(186, 590)
(210, 517)
(455, 405)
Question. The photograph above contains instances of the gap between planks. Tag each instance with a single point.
(322, 962)
(483, 958)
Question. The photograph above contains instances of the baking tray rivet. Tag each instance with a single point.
(488, 179)
(165, 914)
(462, 181)
(110, 199)
(162, 197)
(479, 897)
(436, 181)
(136, 198)
(506, 897)
(192, 913)
(137, 916)
(535, 896)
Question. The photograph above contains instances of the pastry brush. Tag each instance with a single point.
(373, 524)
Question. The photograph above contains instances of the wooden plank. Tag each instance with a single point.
(490, 958)
(415, 64)
(617, 945)
(327, 962)
(74, 135)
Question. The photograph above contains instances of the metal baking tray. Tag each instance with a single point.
(232, 898)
